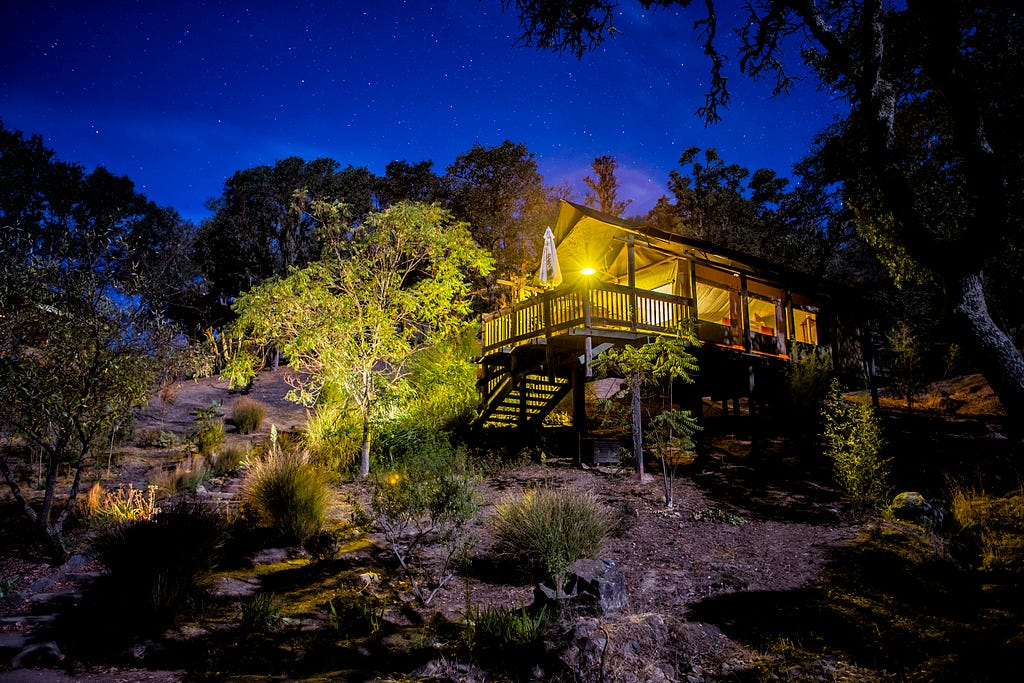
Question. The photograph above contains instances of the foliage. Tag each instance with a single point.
(991, 526)
(207, 436)
(546, 530)
(82, 302)
(155, 565)
(333, 434)
(807, 384)
(248, 414)
(157, 438)
(646, 363)
(186, 475)
(260, 613)
(906, 363)
(497, 630)
(604, 188)
(265, 224)
(498, 191)
(351, 321)
(284, 491)
(226, 460)
(426, 496)
(854, 443)
(671, 435)
(105, 508)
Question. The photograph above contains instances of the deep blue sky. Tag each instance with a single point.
(179, 95)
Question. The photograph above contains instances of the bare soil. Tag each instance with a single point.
(759, 571)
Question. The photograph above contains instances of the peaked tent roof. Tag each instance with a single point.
(588, 238)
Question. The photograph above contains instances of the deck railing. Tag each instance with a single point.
(602, 305)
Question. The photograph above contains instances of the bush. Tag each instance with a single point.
(155, 565)
(186, 476)
(248, 414)
(991, 527)
(427, 496)
(227, 460)
(207, 437)
(333, 436)
(548, 529)
(853, 442)
(284, 491)
(105, 508)
(260, 614)
(807, 383)
(157, 438)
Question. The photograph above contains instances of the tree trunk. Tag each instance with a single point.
(999, 360)
(364, 450)
(635, 387)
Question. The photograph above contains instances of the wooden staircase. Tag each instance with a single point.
(514, 394)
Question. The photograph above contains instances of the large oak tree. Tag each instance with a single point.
(934, 116)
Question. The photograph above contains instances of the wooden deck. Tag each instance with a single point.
(602, 307)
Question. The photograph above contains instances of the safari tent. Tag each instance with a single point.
(611, 282)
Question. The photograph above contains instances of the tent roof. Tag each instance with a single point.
(588, 238)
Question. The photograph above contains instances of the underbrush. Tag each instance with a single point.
(546, 530)
(283, 490)
(991, 528)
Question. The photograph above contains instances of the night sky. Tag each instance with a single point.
(180, 95)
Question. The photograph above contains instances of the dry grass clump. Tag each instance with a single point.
(549, 529)
(248, 414)
(992, 525)
(284, 491)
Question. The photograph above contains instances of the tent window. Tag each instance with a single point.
(806, 326)
(761, 316)
(713, 304)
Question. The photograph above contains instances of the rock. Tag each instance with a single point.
(270, 556)
(911, 506)
(595, 586)
(38, 655)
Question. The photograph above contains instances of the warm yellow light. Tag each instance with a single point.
(588, 271)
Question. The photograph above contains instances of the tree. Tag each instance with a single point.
(81, 335)
(604, 188)
(403, 181)
(496, 190)
(351, 321)
(640, 365)
(933, 127)
(264, 224)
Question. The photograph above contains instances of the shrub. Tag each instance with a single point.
(207, 436)
(248, 414)
(991, 526)
(549, 529)
(853, 442)
(426, 497)
(332, 437)
(157, 438)
(260, 613)
(155, 565)
(497, 628)
(227, 460)
(284, 491)
(104, 508)
(186, 476)
(807, 384)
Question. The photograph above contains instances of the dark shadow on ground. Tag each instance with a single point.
(889, 604)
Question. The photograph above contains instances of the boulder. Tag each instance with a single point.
(911, 506)
(596, 586)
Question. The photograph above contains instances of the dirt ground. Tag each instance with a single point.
(750, 517)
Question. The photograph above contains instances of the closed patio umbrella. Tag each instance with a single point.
(550, 274)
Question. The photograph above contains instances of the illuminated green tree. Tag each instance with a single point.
(351, 321)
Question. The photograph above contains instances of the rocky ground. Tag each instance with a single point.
(749, 576)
